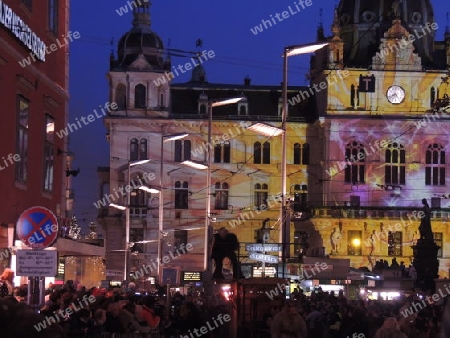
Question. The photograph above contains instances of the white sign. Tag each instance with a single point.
(20, 29)
(37, 263)
(114, 273)
(263, 258)
(263, 247)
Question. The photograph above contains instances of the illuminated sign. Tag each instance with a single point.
(192, 276)
(263, 258)
(263, 247)
(21, 31)
(269, 271)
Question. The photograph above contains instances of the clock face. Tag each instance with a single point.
(395, 94)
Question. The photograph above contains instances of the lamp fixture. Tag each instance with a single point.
(149, 190)
(266, 129)
(195, 165)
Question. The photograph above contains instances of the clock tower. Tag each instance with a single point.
(383, 145)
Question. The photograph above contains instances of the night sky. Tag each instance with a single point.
(223, 26)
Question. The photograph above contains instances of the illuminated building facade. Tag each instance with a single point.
(362, 151)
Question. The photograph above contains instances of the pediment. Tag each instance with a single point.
(140, 64)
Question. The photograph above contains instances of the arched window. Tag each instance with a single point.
(222, 152)
(243, 110)
(161, 100)
(301, 153)
(138, 199)
(355, 158)
(218, 152)
(182, 151)
(181, 195)
(352, 95)
(297, 153)
(435, 165)
(134, 152)
(257, 153)
(432, 96)
(121, 96)
(261, 196)
(266, 153)
(300, 197)
(221, 194)
(140, 96)
(143, 149)
(395, 170)
(203, 109)
(226, 152)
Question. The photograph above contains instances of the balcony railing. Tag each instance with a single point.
(378, 212)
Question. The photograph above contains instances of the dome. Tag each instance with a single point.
(141, 41)
(363, 23)
(198, 74)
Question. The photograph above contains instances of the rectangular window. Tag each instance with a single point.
(53, 16)
(395, 243)
(354, 243)
(300, 242)
(180, 240)
(22, 139)
(181, 195)
(438, 241)
(137, 235)
(49, 152)
(27, 3)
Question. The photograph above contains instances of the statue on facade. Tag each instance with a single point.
(426, 233)
(92, 234)
(396, 8)
(336, 238)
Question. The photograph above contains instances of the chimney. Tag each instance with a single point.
(247, 81)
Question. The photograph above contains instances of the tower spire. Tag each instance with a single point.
(447, 28)
(141, 15)
(335, 27)
(320, 34)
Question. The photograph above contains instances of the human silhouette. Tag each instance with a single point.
(425, 224)
(224, 245)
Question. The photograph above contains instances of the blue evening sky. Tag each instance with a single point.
(224, 27)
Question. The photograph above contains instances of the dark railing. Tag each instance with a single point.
(378, 212)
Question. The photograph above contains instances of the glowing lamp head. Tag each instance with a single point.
(356, 242)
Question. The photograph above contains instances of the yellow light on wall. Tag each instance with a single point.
(356, 242)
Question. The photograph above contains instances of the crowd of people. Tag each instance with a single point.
(327, 315)
(112, 312)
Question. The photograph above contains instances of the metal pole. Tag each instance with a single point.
(160, 207)
(127, 227)
(208, 187)
(283, 161)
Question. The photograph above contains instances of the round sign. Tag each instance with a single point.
(37, 227)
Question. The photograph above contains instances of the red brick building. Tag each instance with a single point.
(34, 96)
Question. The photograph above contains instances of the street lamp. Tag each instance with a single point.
(127, 214)
(289, 51)
(268, 130)
(164, 139)
(196, 165)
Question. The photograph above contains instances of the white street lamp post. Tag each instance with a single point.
(164, 138)
(127, 217)
(288, 51)
(200, 166)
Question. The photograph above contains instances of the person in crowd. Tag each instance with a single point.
(288, 323)
(390, 329)
(314, 322)
(7, 283)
